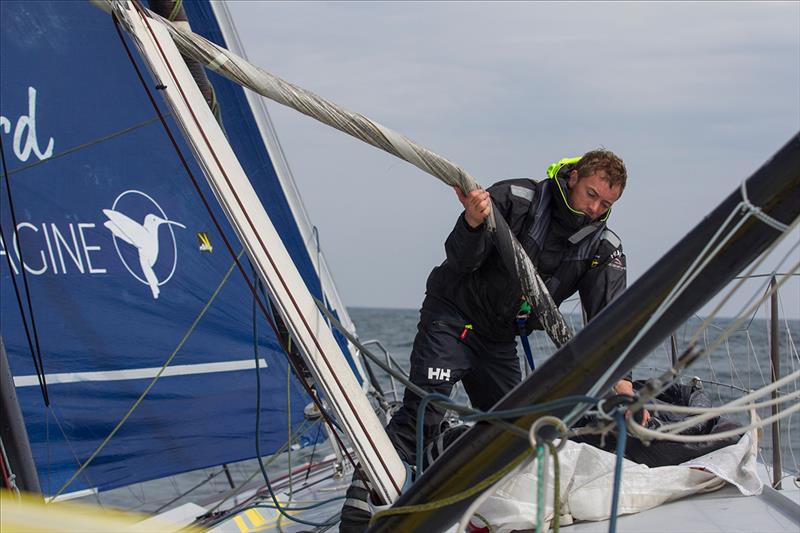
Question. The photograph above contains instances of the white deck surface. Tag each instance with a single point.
(723, 511)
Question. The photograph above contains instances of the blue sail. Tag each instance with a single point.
(125, 266)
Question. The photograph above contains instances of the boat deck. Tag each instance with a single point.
(318, 498)
(725, 510)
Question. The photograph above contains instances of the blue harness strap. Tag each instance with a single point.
(525, 344)
(522, 318)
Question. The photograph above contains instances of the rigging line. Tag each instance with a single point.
(458, 408)
(753, 315)
(701, 262)
(282, 512)
(288, 423)
(8, 481)
(752, 363)
(677, 427)
(755, 266)
(264, 249)
(183, 495)
(23, 315)
(176, 8)
(708, 415)
(278, 506)
(235, 491)
(313, 451)
(789, 340)
(89, 482)
(757, 212)
(315, 236)
(213, 217)
(688, 276)
(649, 434)
(752, 348)
(710, 363)
(47, 447)
(768, 275)
(8, 475)
(659, 407)
(739, 320)
(768, 291)
(733, 368)
(37, 353)
(87, 144)
(152, 383)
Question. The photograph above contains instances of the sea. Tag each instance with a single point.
(737, 366)
(740, 364)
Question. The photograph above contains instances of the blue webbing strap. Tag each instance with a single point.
(524, 338)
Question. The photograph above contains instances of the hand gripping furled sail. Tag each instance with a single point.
(356, 125)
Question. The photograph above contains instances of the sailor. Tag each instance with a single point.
(474, 307)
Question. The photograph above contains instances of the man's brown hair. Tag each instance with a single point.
(603, 161)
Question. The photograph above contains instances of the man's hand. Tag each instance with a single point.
(477, 206)
(624, 386)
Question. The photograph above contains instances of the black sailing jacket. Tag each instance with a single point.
(474, 282)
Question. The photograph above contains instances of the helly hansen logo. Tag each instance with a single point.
(442, 374)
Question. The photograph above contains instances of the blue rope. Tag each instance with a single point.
(423, 403)
(491, 415)
(619, 417)
(526, 345)
(530, 409)
(282, 510)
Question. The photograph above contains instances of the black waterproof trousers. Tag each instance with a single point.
(446, 351)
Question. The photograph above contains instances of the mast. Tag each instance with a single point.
(13, 432)
(592, 360)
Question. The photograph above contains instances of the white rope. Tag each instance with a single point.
(689, 422)
(758, 363)
(649, 434)
(749, 273)
(741, 316)
(694, 270)
(669, 408)
(793, 358)
(759, 213)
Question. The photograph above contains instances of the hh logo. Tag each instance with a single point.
(442, 374)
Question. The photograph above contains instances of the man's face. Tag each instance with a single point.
(592, 195)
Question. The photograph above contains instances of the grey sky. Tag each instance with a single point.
(693, 96)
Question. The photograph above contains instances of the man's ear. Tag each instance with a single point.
(573, 179)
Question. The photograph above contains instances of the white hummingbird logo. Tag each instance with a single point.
(143, 236)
